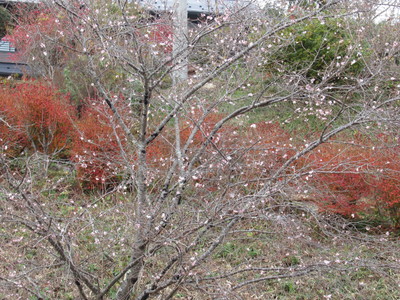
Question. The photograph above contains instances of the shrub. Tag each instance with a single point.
(314, 46)
(5, 19)
(95, 146)
(358, 181)
(36, 118)
(27, 36)
(100, 145)
(204, 126)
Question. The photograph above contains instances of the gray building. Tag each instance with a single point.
(9, 62)
(195, 7)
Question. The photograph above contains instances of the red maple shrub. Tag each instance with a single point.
(161, 36)
(236, 153)
(202, 125)
(269, 147)
(100, 145)
(196, 127)
(27, 35)
(36, 118)
(355, 180)
(96, 148)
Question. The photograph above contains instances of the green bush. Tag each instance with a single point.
(5, 19)
(314, 46)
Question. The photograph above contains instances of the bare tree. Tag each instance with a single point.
(192, 170)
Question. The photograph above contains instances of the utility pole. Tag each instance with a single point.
(180, 41)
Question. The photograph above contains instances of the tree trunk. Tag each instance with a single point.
(132, 276)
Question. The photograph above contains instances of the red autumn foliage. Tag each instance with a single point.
(353, 179)
(237, 152)
(158, 153)
(203, 126)
(96, 147)
(33, 24)
(161, 36)
(356, 177)
(269, 147)
(195, 130)
(99, 146)
(36, 116)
